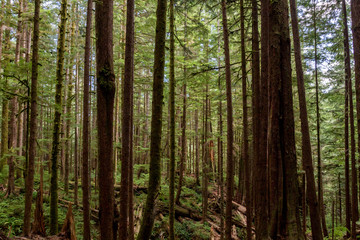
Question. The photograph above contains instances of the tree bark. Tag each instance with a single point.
(85, 136)
(305, 132)
(126, 127)
(284, 215)
(230, 136)
(355, 16)
(29, 183)
(57, 120)
(105, 108)
(261, 163)
(172, 124)
(156, 123)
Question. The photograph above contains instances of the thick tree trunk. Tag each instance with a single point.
(306, 144)
(105, 108)
(284, 215)
(156, 123)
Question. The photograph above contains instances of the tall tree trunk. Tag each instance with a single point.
(230, 136)
(70, 86)
(172, 124)
(355, 16)
(306, 144)
(261, 163)
(256, 75)
(284, 215)
(355, 211)
(85, 136)
(320, 189)
(183, 120)
(105, 108)
(57, 120)
(29, 183)
(156, 123)
(126, 127)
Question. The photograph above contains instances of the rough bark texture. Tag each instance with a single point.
(255, 98)
(57, 120)
(127, 91)
(230, 136)
(156, 123)
(306, 144)
(284, 215)
(355, 16)
(261, 163)
(86, 105)
(172, 125)
(29, 183)
(105, 108)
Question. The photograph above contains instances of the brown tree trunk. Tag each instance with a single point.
(85, 136)
(230, 136)
(126, 127)
(355, 16)
(284, 215)
(29, 183)
(320, 189)
(156, 123)
(261, 163)
(172, 125)
(255, 97)
(105, 108)
(183, 122)
(306, 144)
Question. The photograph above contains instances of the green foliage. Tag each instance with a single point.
(11, 214)
(190, 230)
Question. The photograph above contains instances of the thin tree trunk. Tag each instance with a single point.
(261, 163)
(355, 16)
(57, 120)
(126, 127)
(256, 75)
(230, 136)
(306, 143)
(86, 136)
(172, 125)
(29, 183)
(183, 121)
(156, 123)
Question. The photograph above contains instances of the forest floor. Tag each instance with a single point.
(188, 224)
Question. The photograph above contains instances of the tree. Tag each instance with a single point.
(284, 215)
(29, 183)
(85, 150)
(261, 162)
(127, 104)
(255, 98)
(306, 144)
(172, 125)
(230, 137)
(105, 108)
(57, 120)
(320, 189)
(156, 122)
